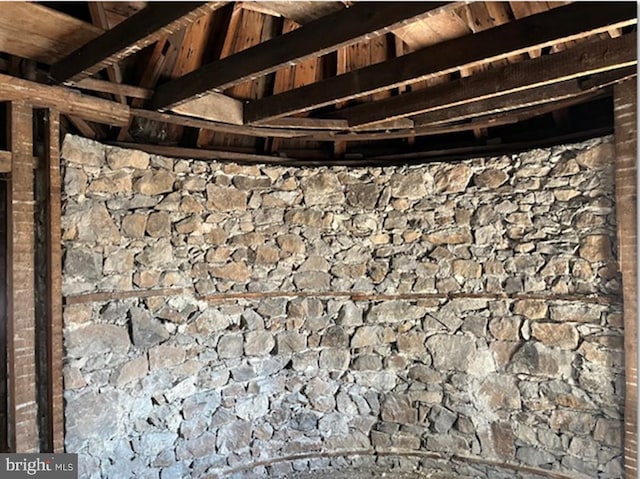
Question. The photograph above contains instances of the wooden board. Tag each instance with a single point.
(39, 33)
(21, 310)
(147, 26)
(63, 99)
(322, 36)
(626, 189)
(299, 11)
(573, 21)
(594, 57)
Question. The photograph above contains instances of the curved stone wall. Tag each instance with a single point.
(239, 321)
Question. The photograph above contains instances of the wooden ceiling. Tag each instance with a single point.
(321, 82)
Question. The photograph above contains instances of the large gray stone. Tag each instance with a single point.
(441, 346)
(146, 332)
(233, 437)
(154, 183)
(363, 196)
(322, 189)
(83, 263)
(442, 419)
(82, 151)
(96, 339)
(452, 179)
(118, 158)
(91, 416)
(409, 185)
(397, 408)
(97, 226)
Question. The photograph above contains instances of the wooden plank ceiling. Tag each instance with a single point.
(321, 82)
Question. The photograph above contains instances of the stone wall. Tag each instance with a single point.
(238, 321)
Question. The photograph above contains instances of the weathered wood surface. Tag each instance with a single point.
(64, 100)
(536, 31)
(626, 138)
(586, 59)
(39, 33)
(136, 32)
(21, 311)
(314, 39)
(54, 281)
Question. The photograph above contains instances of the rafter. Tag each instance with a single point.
(574, 21)
(522, 99)
(63, 99)
(155, 21)
(316, 38)
(587, 59)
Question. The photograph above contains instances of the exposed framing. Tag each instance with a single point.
(23, 409)
(625, 110)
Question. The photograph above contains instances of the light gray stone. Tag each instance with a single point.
(154, 183)
(146, 332)
(441, 345)
(322, 189)
(96, 339)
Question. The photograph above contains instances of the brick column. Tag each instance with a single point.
(23, 408)
(625, 101)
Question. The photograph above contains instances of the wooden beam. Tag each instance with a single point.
(626, 187)
(216, 126)
(534, 96)
(102, 86)
(64, 100)
(215, 107)
(327, 34)
(564, 23)
(586, 59)
(143, 28)
(99, 18)
(5, 161)
(201, 153)
(21, 307)
(39, 33)
(54, 281)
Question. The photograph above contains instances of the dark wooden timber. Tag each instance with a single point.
(561, 24)
(527, 98)
(64, 100)
(626, 187)
(157, 20)
(585, 59)
(327, 34)
(54, 282)
(21, 306)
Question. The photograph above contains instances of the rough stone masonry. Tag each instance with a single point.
(342, 320)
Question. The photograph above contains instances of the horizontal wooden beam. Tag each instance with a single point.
(157, 20)
(522, 99)
(215, 107)
(201, 153)
(561, 24)
(110, 87)
(64, 100)
(362, 20)
(585, 59)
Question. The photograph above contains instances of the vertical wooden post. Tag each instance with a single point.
(21, 307)
(54, 280)
(625, 101)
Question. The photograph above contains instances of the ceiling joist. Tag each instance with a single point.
(157, 20)
(327, 34)
(586, 59)
(561, 24)
(522, 99)
(64, 100)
